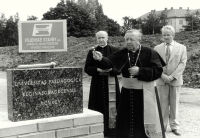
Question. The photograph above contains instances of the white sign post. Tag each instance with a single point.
(42, 36)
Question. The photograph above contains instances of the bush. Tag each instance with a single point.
(79, 47)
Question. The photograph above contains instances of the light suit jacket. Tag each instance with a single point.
(176, 64)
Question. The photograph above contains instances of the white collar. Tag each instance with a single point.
(102, 46)
(171, 44)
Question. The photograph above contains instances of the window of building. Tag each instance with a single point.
(180, 21)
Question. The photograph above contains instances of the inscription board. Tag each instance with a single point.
(42, 93)
(42, 36)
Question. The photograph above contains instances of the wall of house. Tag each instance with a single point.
(177, 23)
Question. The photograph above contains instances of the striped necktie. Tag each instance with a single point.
(168, 53)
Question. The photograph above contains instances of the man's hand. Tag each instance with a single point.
(97, 55)
(165, 78)
(134, 70)
(171, 78)
(99, 70)
(106, 70)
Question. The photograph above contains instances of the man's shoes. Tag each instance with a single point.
(175, 131)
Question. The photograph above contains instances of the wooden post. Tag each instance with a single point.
(43, 57)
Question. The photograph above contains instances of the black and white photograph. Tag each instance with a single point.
(99, 69)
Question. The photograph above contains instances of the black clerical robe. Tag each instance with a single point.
(100, 87)
(130, 115)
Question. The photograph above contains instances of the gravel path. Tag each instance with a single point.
(189, 113)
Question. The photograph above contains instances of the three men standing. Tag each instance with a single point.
(140, 66)
(137, 114)
(171, 80)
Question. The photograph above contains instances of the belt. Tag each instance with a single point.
(103, 73)
(132, 83)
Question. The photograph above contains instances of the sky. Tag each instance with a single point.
(114, 9)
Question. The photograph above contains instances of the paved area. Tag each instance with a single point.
(189, 113)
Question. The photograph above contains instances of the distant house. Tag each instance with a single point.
(175, 17)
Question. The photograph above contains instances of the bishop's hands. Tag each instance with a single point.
(134, 70)
(167, 79)
(97, 55)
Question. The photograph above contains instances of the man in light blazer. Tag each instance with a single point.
(171, 80)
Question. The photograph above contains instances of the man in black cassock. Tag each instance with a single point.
(137, 114)
(104, 88)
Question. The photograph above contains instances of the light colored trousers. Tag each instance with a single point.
(169, 100)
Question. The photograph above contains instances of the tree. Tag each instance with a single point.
(129, 23)
(11, 31)
(79, 22)
(126, 26)
(32, 17)
(15, 29)
(161, 21)
(139, 24)
(101, 19)
(152, 21)
(133, 23)
(3, 21)
(163, 18)
(126, 22)
(95, 9)
(83, 18)
(82, 3)
(91, 8)
(193, 21)
(113, 28)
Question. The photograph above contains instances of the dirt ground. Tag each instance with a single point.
(189, 112)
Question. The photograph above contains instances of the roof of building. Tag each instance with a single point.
(171, 13)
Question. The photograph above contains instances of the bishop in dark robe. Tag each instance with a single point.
(104, 88)
(137, 114)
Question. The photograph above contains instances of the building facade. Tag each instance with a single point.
(175, 17)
